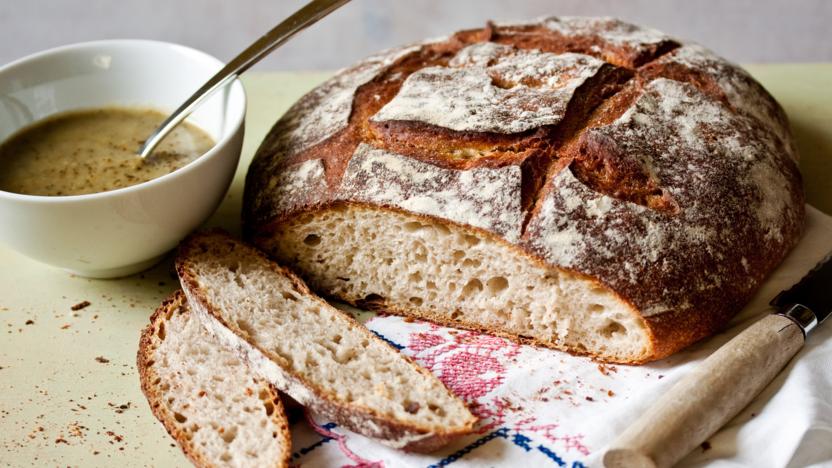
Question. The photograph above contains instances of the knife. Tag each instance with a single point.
(728, 380)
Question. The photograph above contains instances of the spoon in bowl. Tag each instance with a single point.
(300, 20)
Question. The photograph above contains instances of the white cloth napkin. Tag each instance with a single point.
(541, 408)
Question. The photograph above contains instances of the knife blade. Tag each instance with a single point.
(812, 293)
(728, 380)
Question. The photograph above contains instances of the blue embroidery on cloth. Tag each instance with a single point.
(388, 340)
(501, 432)
(517, 439)
(551, 455)
(522, 441)
(328, 426)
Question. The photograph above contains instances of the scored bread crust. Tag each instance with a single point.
(655, 168)
(151, 381)
(359, 418)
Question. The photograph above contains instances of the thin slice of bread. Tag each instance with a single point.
(313, 352)
(206, 397)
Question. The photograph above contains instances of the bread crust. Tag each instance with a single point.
(356, 417)
(155, 398)
(658, 186)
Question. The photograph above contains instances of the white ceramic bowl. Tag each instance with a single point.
(123, 231)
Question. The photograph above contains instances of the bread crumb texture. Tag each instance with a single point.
(206, 397)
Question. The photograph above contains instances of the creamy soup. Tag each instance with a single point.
(94, 150)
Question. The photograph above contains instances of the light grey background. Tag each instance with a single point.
(741, 30)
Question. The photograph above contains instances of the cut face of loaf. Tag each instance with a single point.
(444, 273)
(313, 352)
(207, 399)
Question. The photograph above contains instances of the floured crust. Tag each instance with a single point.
(660, 172)
(726, 82)
(150, 384)
(359, 418)
(482, 90)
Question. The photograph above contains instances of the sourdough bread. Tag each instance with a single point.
(313, 352)
(207, 399)
(579, 183)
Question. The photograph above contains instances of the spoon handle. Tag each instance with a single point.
(306, 16)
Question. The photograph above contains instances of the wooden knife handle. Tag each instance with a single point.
(708, 397)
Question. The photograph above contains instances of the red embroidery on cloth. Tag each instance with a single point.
(468, 364)
(342, 445)
(472, 366)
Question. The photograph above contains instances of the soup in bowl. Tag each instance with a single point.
(73, 194)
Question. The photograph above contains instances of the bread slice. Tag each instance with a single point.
(205, 396)
(313, 352)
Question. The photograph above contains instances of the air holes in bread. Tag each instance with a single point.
(596, 290)
(417, 301)
(437, 410)
(412, 226)
(269, 408)
(442, 229)
(470, 240)
(411, 406)
(180, 418)
(229, 435)
(245, 327)
(264, 395)
(613, 328)
(471, 288)
(312, 240)
(289, 296)
(343, 356)
(496, 285)
(372, 299)
(421, 253)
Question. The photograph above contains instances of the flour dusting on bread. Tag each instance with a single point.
(386, 178)
(492, 88)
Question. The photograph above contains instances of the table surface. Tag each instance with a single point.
(69, 390)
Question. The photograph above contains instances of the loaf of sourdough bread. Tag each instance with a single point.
(578, 183)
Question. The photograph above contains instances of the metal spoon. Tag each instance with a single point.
(306, 16)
